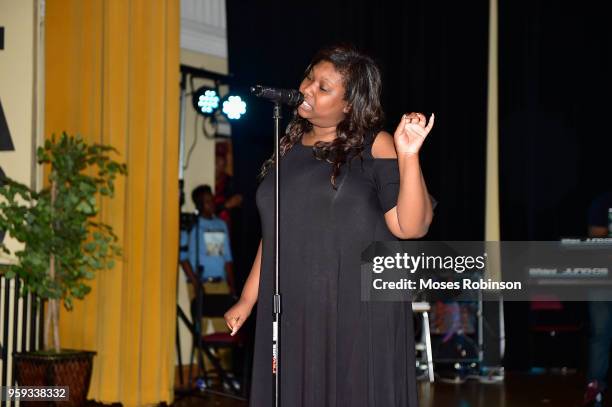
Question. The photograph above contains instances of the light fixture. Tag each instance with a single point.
(206, 101)
(233, 107)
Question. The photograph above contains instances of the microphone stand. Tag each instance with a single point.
(291, 97)
(276, 342)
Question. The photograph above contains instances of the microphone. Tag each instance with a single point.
(291, 97)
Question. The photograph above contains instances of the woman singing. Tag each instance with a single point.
(344, 184)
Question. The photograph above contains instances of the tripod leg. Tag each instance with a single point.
(190, 376)
(178, 351)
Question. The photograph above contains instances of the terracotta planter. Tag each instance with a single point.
(70, 368)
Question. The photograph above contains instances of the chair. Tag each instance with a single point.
(214, 306)
(554, 327)
(424, 345)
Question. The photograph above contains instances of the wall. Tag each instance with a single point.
(21, 84)
(21, 80)
(201, 165)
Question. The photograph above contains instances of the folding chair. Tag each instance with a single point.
(214, 306)
(555, 326)
(424, 345)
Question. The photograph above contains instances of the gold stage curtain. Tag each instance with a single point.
(112, 75)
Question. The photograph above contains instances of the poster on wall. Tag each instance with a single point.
(19, 69)
(6, 144)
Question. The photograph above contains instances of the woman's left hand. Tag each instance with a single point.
(411, 132)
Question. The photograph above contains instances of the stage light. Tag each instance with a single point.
(233, 107)
(205, 101)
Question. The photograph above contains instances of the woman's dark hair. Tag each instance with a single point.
(362, 83)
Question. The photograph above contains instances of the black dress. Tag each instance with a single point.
(336, 351)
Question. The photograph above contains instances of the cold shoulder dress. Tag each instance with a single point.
(336, 350)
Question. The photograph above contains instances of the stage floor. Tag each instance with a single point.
(518, 390)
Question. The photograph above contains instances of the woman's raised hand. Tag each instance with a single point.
(411, 132)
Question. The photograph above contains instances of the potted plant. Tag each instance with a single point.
(63, 247)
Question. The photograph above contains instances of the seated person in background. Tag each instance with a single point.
(209, 258)
(600, 312)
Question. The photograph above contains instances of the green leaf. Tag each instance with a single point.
(84, 207)
(89, 247)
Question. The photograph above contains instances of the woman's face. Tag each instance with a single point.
(324, 104)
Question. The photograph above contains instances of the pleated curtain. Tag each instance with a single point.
(112, 75)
